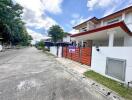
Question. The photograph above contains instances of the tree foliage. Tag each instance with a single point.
(56, 32)
(40, 45)
(12, 27)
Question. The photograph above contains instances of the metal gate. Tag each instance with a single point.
(116, 68)
(81, 54)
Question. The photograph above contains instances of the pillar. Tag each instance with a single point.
(123, 16)
(77, 43)
(111, 38)
(82, 43)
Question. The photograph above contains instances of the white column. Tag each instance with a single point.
(123, 16)
(87, 26)
(102, 23)
(77, 43)
(111, 38)
(82, 43)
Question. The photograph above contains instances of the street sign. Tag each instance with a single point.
(71, 49)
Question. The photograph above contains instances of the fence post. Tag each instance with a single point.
(80, 54)
(65, 52)
(62, 52)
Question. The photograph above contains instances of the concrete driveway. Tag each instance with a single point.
(29, 74)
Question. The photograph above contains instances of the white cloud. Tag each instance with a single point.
(32, 5)
(75, 15)
(36, 36)
(76, 19)
(73, 31)
(53, 6)
(40, 22)
(109, 11)
(110, 6)
(34, 13)
(117, 7)
(92, 4)
(79, 20)
(128, 4)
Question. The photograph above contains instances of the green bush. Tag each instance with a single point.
(40, 45)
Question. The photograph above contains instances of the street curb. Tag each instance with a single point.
(106, 92)
(109, 94)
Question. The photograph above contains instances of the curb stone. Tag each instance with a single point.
(109, 94)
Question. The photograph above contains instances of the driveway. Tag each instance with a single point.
(30, 74)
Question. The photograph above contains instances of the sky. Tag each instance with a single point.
(39, 15)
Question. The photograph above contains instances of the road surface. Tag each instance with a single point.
(30, 74)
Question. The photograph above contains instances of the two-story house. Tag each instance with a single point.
(112, 30)
(110, 38)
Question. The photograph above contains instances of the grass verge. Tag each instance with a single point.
(111, 84)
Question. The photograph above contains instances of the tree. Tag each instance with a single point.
(30, 37)
(56, 32)
(40, 45)
(12, 26)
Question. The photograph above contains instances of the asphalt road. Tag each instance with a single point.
(30, 74)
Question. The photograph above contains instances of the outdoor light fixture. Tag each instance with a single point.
(97, 48)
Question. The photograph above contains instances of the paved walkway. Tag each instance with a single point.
(30, 74)
(74, 65)
(78, 70)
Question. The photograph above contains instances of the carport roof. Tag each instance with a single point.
(119, 24)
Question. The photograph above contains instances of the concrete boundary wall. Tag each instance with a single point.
(53, 50)
(99, 59)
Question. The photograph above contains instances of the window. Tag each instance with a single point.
(116, 68)
(113, 21)
(83, 29)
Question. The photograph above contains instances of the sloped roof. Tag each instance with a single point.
(91, 19)
(119, 24)
(108, 16)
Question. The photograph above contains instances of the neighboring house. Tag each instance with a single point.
(67, 38)
(110, 38)
(56, 48)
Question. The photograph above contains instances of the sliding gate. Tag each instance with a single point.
(80, 54)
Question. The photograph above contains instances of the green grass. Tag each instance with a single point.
(111, 84)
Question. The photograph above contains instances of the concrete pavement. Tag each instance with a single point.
(80, 68)
(29, 74)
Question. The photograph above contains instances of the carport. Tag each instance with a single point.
(110, 50)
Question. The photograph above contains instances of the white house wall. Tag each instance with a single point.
(128, 20)
(67, 39)
(60, 52)
(117, 42)
(100, 42)
(128, 41)
(53, 50)
(106, 22)
(99, 59)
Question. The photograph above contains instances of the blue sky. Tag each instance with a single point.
(39, 15)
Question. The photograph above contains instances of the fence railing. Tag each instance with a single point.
(81, 54)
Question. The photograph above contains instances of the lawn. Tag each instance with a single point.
(111, 84)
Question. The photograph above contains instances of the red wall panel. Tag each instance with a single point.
(82, 55)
